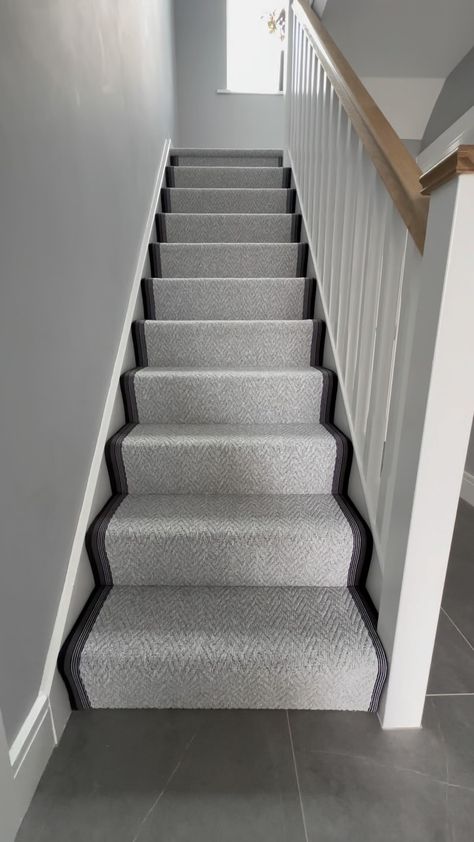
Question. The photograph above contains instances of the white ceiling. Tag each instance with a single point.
(402, 38)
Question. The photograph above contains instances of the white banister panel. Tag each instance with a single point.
(358, 243)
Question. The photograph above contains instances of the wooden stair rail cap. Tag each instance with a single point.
(460, 162)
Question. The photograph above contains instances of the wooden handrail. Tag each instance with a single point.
(460, 162)
(392, 160)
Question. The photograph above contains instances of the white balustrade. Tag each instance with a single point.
(399, 330)
(358, 242)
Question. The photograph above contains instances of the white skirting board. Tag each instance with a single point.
(467, 488)
(43, 727)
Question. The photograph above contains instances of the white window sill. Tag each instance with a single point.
(248, 93)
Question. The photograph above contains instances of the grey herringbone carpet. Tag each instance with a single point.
(229, 564)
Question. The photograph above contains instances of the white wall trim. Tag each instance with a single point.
(467, 488)
(28, 731)
(29, 755)
(42, 728)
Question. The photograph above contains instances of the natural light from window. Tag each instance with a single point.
(255, 45)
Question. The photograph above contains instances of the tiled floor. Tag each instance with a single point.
(233, 776)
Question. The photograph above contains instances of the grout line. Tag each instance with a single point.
(436, 695)
(458, 629)
(160, 794)
(297, 777)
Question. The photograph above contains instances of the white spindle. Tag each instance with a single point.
(358, 244)
(334, 246)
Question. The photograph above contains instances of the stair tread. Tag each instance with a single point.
(304, 540)
(229, 647)
(257, 217)
(168, 371)
(228, 259)
(231, 433)
(228, 176)
(227, 395)
(211, 151)
(216, 512)
(229, 298)
(236, 247)
(221, 343)
(228, 199)
(224, 279)
(228, 227)
(295, 323)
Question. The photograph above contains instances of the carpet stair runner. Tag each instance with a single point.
(229, 563)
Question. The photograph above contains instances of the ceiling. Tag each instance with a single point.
(403, 38)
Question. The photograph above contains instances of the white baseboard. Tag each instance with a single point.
(42, 728)
(30, 753)
(467, 488)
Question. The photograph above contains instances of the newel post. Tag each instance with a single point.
(435, 424)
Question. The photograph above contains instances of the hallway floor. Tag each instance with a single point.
(228, 776)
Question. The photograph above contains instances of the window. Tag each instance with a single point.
(255, 45)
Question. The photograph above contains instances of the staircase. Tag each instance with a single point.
(229, 564)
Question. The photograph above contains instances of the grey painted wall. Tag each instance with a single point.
(457, 95)
(206, 118)
(86, 101)
(383, 38)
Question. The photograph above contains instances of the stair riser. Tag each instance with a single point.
(228, 228)
(194, 466)
(213, 398)
(155, 685)
(235, 560)
(224, 177)
(209, 200)
(229, 648)
(229, 260)
(197, 560)
(228, 344)
(229, 298)
(188, 540)
(228, 159)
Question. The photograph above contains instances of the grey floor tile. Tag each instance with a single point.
(354, 798)
(236, 782)
(452, 668)
(458, 591)
(104, 775)
(452, 717)
(460, 814)
(138, 776)
(359, 735)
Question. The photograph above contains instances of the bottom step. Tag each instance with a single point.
(226, 647)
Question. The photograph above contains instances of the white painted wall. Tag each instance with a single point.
(406, 103)
(206, 118)
(403, 51)
(383, 38)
